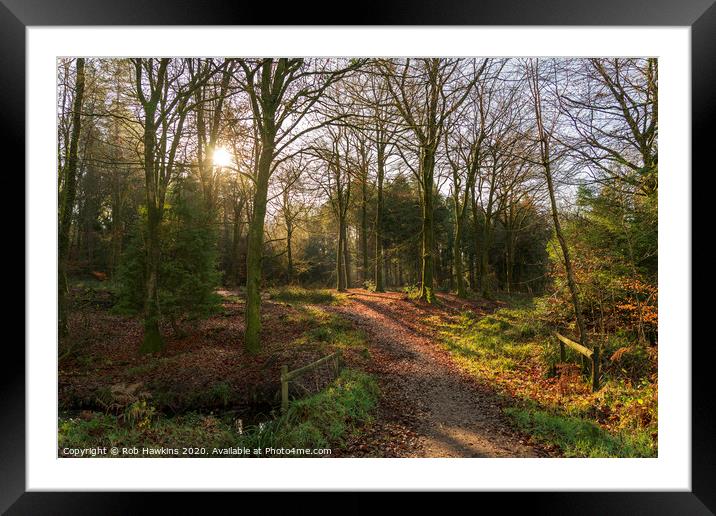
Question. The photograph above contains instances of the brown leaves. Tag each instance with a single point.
(107, 373)
(619, 353)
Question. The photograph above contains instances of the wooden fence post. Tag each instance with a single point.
(590, 356)
(284, 389)
(595, 368)
(334, 359)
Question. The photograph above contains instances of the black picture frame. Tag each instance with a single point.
(700, 15)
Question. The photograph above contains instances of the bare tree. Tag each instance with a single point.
(544, 141)
(292, 206)
(67, 197)
(465, 154)
(335, 181)
(377, 120)
(281, 92)
(426, 92)
(613, 109)
(209, 101)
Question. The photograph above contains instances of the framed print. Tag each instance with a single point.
(427, 252)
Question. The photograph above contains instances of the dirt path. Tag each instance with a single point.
(430, 407)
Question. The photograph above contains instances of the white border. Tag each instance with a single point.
(671, 470)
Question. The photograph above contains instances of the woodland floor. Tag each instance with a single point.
(429, 406)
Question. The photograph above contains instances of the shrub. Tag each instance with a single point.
(413, 291)
(625, 359)
(139, 414)
(319, 421)
(369, 285)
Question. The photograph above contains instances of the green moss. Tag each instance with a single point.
(153, 341)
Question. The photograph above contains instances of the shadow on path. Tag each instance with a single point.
(454, 415)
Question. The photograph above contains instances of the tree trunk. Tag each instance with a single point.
(152, 336)
(289, 274)
(117, 232)
(471, 271)
(154, 196)
(254, 251)
(485, 259)
(427, 265)
(68, 199)
(289, 255)
(476, 255)
(546, 163)
(379, 258)
(235, 254)
(568, 265)
(428, 262)
(509, 259)
(153, 340)
(346, 255)
(117, 225)
(364, 228)
(457, 254)
(340, 269)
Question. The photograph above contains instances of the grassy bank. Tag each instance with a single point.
(323, 420)
(513, 350)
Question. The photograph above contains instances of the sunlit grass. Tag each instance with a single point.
(578, 437)
(326, 418)
(485, 343)
(327, 329)
(299, 296)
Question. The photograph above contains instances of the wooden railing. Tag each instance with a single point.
(287, 376)
(592, 356)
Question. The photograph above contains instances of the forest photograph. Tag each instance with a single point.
(399, 257)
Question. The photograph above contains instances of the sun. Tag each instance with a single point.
(221, 157)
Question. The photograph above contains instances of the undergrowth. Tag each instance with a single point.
(323, 420)
(578, 437)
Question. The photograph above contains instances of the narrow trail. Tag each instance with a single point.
(429, 405)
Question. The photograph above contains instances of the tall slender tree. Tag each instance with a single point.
(67, 197)
(281, 93)
(544, 142)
